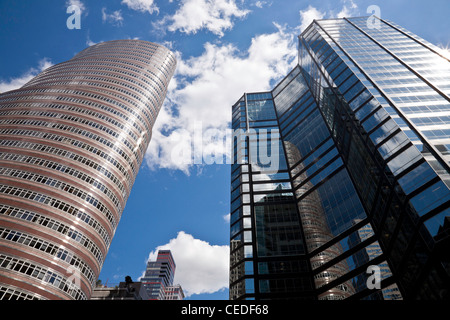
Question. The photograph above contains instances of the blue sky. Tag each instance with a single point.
(224, 48)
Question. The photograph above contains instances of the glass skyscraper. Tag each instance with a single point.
(71, 143)
(343, 168)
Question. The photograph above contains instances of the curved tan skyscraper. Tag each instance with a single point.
(71, 143)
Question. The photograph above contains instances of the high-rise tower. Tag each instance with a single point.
(71, 144)
(364, 130)
(158, 278)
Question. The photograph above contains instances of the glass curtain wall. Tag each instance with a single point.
(363, 171)
(398, 171)
(268, 258)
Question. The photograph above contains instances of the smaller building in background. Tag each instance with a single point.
(158, 278)
(156, 284)
(174, 292)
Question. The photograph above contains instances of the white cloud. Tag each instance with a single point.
(350, 9)
(89, 42)
(114, 18)
(200, 266)
(308, 15)
(16, 83)
(213, 15)
(141, 5)
(260, 4)
(227, 217)
(205, 87)
(77, 3)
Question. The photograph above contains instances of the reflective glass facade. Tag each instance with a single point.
(363, 125)
(71, 143)
(267, 244)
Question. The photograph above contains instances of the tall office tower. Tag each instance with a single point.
(159, 275)
(360, 189)
(71, 144)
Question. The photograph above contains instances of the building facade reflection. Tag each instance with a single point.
(364, 158)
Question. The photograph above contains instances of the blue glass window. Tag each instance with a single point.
(309, 135)
(404, 160)
(394, 144)
(339, 202)
(260, 110)
(416, 178)
(436, 223)
(430, 198)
